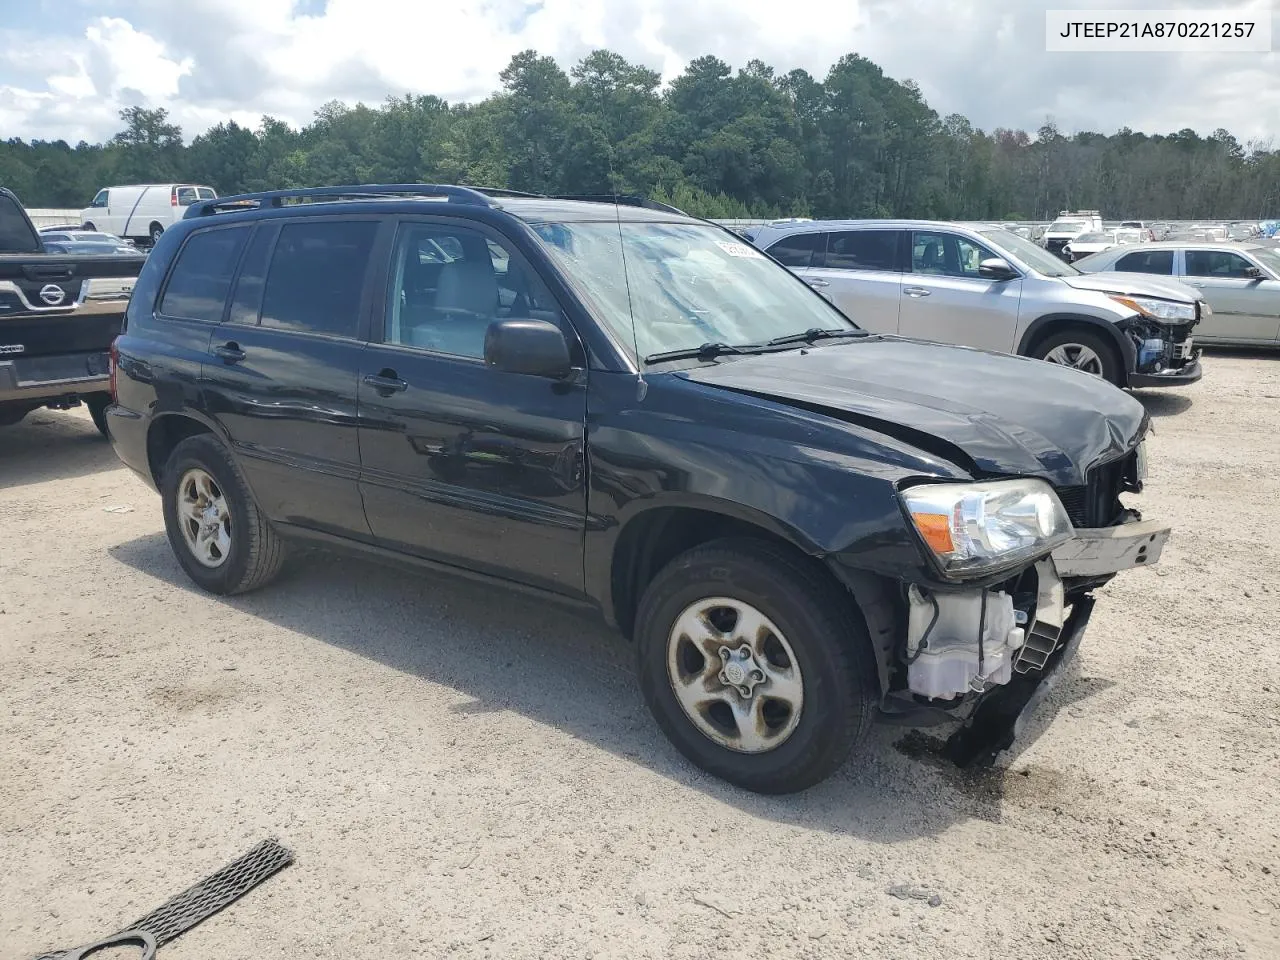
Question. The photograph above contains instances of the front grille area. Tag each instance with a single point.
(1097, 503)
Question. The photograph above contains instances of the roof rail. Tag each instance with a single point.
(504, 192)
(276, 198)
(624, 200)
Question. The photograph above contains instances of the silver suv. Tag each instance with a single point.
(980, 285)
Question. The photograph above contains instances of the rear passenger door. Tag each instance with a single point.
(283, 367)
(945, 299)
(860, 271)
(463, 463)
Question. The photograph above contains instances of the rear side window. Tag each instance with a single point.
(799, 249)
(15, 235)
(206, 193)
(201, 277)
(316, 276)
(862, 250)
(1146, 261)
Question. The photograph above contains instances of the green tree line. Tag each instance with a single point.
(717, 143)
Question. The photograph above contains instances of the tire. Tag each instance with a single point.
(255, 552)
(1097, 354)
(818, 627)
(88, 225)
(155, 233)
(97, 404)
(10, 416)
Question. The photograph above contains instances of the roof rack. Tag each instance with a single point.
(276, 198)
(622, 199)
(504, 192)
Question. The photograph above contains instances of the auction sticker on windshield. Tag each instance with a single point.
(1240, 30)
(738, 249)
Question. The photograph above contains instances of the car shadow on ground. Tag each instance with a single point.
(52, 445)
(1161, 404)
(564, 668)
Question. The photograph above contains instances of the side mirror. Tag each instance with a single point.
(996, 268)
(1253, 273)
(536, 348)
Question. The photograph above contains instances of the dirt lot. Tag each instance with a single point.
(463, 773)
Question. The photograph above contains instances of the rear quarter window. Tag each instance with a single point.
(201, 276)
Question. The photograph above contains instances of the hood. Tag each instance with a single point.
(1136, 284)
(989, 413)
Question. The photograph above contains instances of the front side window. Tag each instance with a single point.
(201, 276)
(1146, 261)
(1217, 263)
(100, 200)
(206, 193)
(685, 285)
(862, 250)
(946, 254)
(799, 250)
(316, 276)
(448, 283)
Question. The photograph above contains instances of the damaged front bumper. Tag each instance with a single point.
(994, 685)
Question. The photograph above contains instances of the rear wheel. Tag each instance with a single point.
(88, 225)
(754, 665)
(222, 540)
(12, 415)
(156, 232)
(97, 405)
(1082, 350)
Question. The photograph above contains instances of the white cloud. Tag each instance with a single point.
(207, 60)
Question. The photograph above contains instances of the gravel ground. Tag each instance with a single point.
(460, 776)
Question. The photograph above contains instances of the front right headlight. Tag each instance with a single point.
(975, 529)
(1165, 311)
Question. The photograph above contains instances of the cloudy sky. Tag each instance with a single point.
(68, 66)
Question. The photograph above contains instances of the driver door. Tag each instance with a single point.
(462, 463)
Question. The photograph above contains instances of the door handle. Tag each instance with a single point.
(818, 283)
(386, 382)
(915, 291)
(229, 352)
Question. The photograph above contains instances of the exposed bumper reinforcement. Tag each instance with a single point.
(1099, 551)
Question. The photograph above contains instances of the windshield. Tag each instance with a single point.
(688, 285)
(1066, 226)
(1092, 238)
(1030, 255)
(1268, 258)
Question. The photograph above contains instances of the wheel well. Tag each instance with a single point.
(165, 434)
(88, 225)
(650, 541)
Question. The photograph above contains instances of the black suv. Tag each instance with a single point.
(800, 526)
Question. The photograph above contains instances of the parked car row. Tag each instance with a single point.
(801, 524)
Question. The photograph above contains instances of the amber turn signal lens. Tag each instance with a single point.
(936, 530)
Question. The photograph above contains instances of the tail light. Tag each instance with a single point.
(173, 196)
(112, 364)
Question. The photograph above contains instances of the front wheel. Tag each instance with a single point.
(755, 665)
(156, 232)
(215, 529)
(1082, 350)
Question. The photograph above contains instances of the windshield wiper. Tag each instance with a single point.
(809, 336)
(708, 351)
